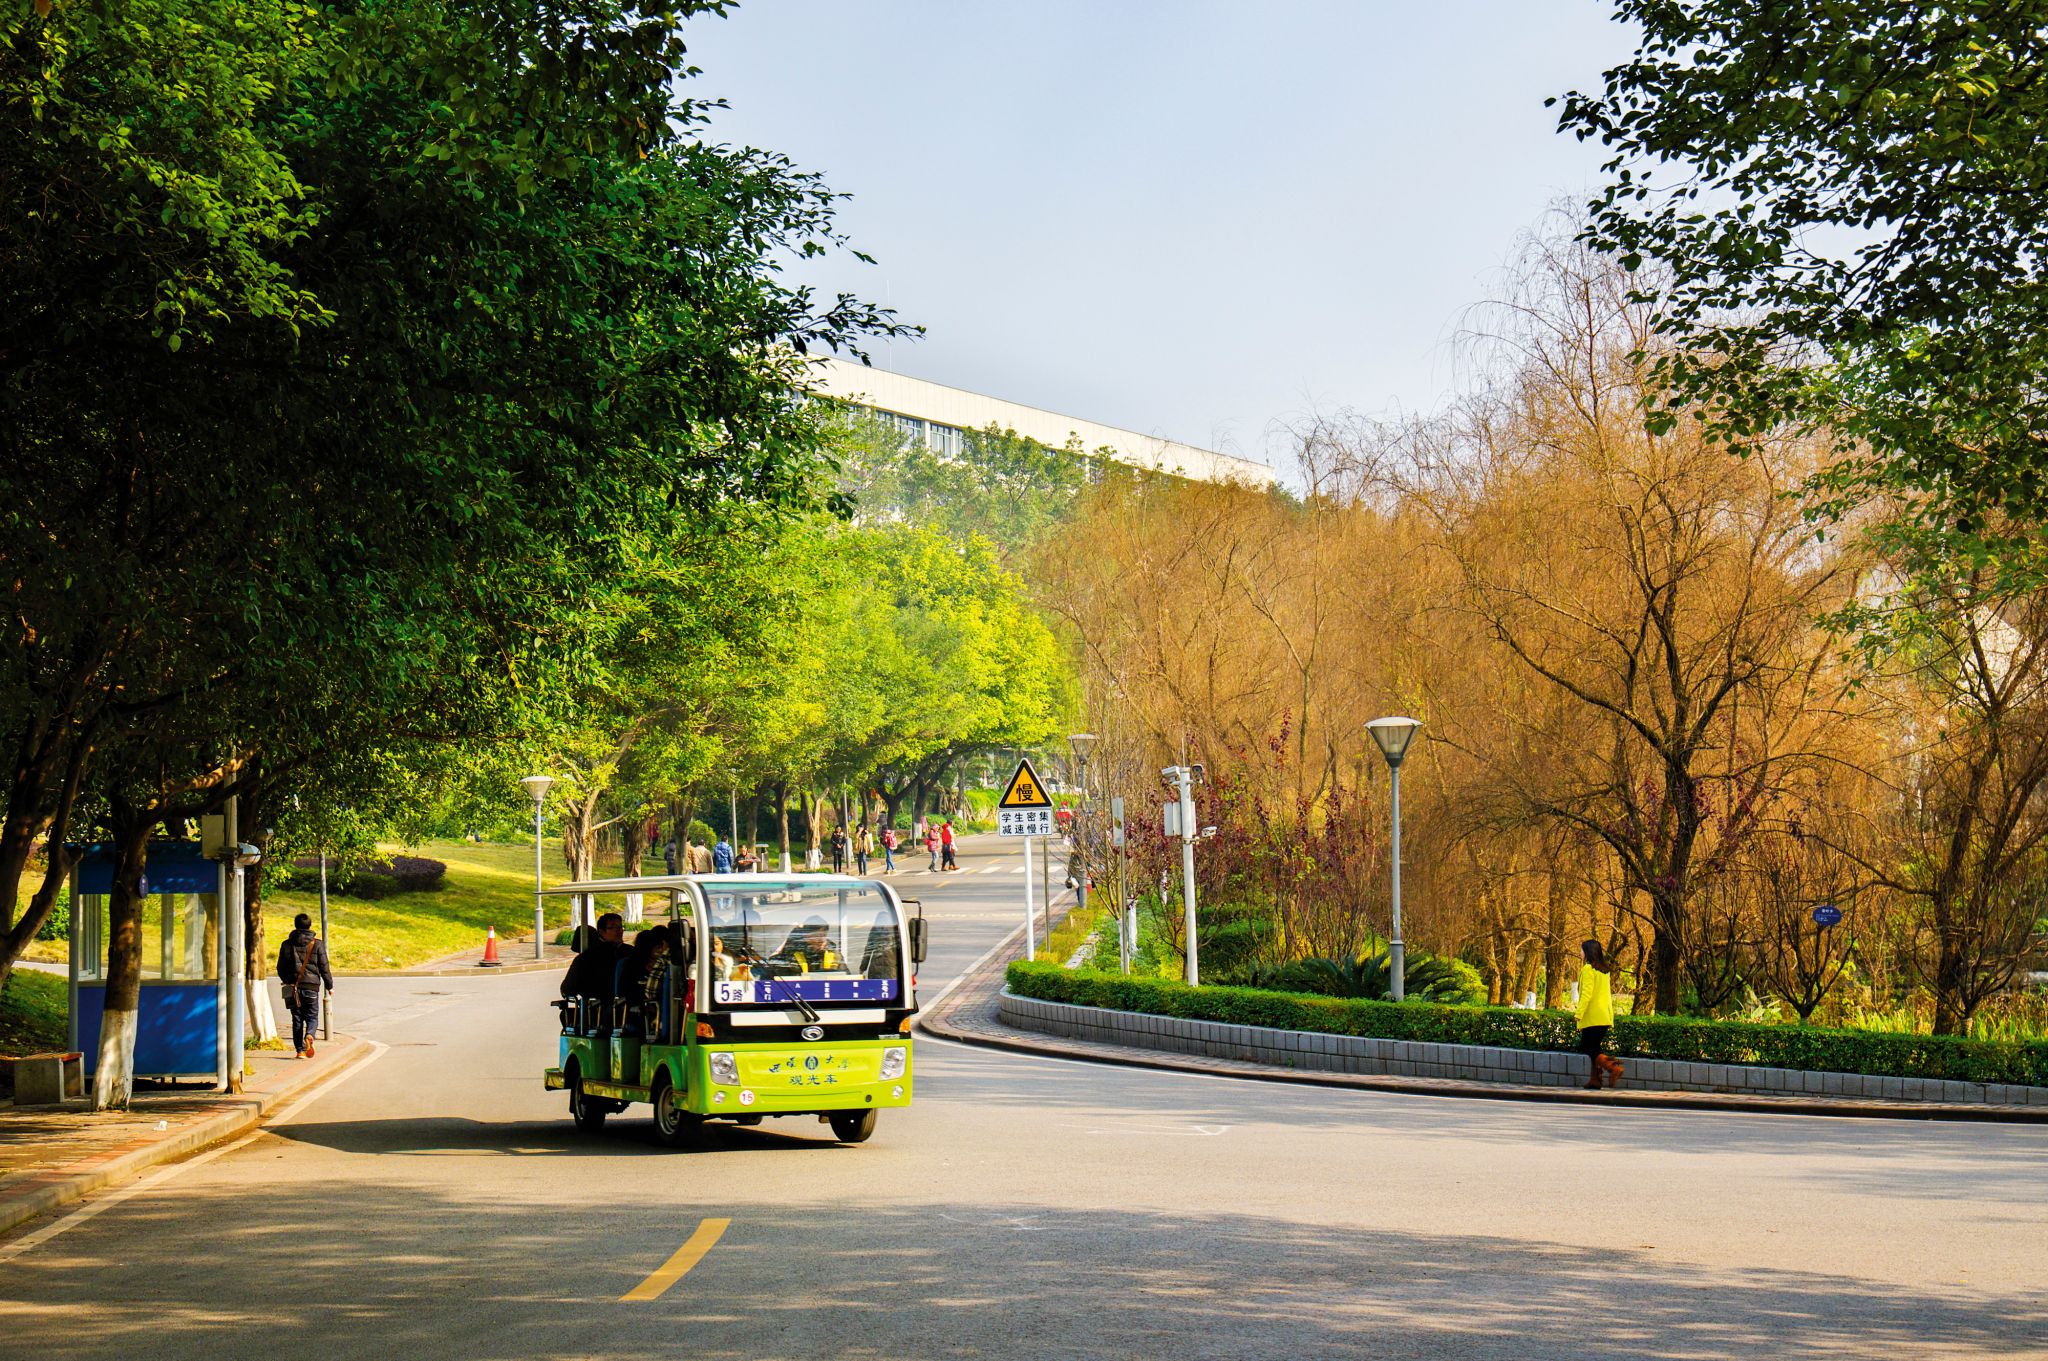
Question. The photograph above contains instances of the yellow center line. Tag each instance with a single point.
(675, 1268)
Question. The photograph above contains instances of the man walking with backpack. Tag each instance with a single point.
(302, 972)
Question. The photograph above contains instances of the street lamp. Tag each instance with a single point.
(1080, 744)
(1393, 736)
(536, 787)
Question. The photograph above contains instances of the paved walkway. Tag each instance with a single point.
(52, 1155)
(968, 1014)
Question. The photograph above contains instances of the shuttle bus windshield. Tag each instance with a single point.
(774, 939)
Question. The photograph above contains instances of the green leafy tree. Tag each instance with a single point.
(339, 389)
(1839, 203)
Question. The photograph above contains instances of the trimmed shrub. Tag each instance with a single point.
(1686, 1040)
(1427, 978)
(373, 879)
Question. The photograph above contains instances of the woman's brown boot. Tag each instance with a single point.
(1614, 1070)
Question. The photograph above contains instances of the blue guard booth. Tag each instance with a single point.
(181, 1024)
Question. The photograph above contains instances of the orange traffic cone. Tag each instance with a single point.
(490, 959)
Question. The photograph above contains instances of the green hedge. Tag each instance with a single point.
(1686, 1040)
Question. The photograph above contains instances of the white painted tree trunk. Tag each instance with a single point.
(262, 1016)
(635, 910)
(113, 1079)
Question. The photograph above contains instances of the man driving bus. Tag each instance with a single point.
(811, 946)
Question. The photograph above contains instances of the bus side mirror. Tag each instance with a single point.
(917, 940)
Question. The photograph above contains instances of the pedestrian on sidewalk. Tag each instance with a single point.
(1596, 1014)
(890, 841)
(931, 844)
(302, 971)
(949, 861)
(721, 857)
(839, 850)
(863, 847)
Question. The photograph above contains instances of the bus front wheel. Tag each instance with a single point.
(673, 1125)
(853, 1127)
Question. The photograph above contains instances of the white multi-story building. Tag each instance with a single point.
(939, 415)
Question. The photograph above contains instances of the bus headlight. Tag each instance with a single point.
(725, 1069)
(893, 1063)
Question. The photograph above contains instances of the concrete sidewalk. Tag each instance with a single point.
(969, 1014)
(53, 1155)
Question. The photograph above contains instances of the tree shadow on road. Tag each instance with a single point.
(422, 1273)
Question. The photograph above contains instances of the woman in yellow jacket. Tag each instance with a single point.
(1596, 1013)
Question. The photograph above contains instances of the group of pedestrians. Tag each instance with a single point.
(858, 846)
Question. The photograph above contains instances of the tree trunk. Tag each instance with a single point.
(14, 852)
(1666, 927)
(579, 851)
(114, 1072)
(262, 1016)
(633, 839)
(1950, 1015)
(1555, 956)
(782, 819)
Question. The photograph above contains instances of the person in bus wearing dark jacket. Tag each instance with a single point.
(303, 972)
(590, 972)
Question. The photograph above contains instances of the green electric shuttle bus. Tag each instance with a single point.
(778, 995)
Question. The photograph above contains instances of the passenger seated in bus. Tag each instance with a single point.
(592, 972)
(635, 972)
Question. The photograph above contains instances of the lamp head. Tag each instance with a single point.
(1393, 736)
(1081, 743)
(536, 786)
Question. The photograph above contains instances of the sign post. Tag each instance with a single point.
(1026, 810)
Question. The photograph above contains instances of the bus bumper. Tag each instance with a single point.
(801, 1079)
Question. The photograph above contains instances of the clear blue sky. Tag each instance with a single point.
(1196, 220)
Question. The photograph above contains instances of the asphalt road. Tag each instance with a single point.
(438, 1203)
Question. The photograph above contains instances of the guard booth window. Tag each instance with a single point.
(180, 938)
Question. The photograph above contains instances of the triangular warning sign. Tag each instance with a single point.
(1024, 790)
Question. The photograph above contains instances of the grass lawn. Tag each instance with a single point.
(32, 1013)
(487, 885)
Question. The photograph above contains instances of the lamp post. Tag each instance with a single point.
(1393, 736)
(536, 786)
(1080, 744)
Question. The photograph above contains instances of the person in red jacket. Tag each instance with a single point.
(948, 860)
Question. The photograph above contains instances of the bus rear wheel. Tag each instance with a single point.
(673, 1125)
(853, 1127)
(587, 1111)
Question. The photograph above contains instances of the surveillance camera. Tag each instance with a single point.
(1208, 832)
(1201, 775)
(246, 855)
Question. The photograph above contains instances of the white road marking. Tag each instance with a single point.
(291, 1111)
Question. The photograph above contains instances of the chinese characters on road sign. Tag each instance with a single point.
(1024, 821)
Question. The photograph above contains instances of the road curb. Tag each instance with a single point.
(1000, 1036)
(49, 1190)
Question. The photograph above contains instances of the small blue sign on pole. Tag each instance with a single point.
(1827, 914)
